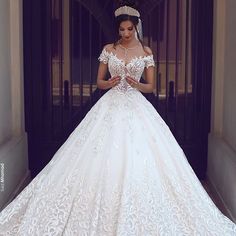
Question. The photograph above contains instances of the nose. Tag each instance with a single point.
(126, 33)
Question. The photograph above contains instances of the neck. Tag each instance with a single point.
(131, 43)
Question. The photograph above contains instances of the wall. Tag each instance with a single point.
(5, 88)
(13, 141)
(222, 139)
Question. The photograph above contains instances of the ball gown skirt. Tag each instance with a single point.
(120, 172)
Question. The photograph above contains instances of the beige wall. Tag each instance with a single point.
(5, 87)
(222, 139)
(229, 111)
(13, 142)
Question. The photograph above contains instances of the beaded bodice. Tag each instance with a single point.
(117, 67)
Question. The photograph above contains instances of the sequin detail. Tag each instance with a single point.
(133, 68)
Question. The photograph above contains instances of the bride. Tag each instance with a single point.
(121, 171)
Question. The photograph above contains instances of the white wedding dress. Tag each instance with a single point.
(120, 172)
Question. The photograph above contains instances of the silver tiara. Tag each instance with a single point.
(125, 10)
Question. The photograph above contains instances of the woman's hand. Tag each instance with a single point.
(102, 83)
(113, 81)
(132, 82)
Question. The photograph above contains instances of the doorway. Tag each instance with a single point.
(62, 40)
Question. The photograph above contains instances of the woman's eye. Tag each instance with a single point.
(130, 29)
(121, 29)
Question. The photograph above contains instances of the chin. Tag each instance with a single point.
(127, 39)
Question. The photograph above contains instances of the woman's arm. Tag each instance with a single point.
(101, 82)
(102, 70)
(149, 77)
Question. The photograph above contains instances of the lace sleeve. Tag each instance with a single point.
(104, 56)
(149, 61)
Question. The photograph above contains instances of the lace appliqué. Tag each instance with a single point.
(149, 61)
(121, 172)
(117, 67)
(104, 56)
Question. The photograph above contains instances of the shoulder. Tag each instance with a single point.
(105, 54)
(147, 50)
(149, 61)
(108, 47)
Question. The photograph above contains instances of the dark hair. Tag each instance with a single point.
(133, 19)
(130, 3)
(124, 17)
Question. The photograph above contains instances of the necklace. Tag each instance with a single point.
(126, 49)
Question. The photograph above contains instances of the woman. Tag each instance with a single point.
(121, 171)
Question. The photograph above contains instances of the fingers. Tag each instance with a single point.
(114, 80)
(132, 82)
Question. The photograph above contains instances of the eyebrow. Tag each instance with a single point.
(127, 27)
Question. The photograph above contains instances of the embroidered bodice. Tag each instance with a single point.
(117, 67)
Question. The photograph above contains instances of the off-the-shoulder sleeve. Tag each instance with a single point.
(104, 56)
(149, 61)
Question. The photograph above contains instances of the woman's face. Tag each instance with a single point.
(127, 30)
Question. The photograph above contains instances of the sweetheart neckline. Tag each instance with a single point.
(134, 58)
